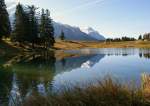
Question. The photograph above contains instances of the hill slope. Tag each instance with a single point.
(75, 33)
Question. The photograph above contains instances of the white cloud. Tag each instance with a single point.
(87, 4)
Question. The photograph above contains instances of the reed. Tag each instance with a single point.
(105, 93)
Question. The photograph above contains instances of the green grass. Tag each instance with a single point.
(106, 93)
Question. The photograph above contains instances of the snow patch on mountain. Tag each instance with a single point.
(95, 34)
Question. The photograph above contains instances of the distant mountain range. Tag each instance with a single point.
(75, 33)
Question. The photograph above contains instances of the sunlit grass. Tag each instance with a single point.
(66, 45)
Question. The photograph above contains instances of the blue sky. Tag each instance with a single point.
(112, 18)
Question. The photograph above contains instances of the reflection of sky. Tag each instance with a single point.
(125, 68)
(15, 96)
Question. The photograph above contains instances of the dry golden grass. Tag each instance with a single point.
(66, 45)
(69, 45)
(106, 93)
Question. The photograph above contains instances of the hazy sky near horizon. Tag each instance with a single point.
(112, 18)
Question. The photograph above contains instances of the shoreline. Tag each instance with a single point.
(8, 48)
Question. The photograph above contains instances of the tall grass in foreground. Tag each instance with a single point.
(106, 93)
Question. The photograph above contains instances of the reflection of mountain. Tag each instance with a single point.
(70, 63)
(91, 62)
(74, 72)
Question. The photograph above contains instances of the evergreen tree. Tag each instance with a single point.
(49, 30)
(32, 25)
(20, 25)
(42, 27)
(46, 29)
(140, 37)
(5, 27)
(62, 36)
(146, 36)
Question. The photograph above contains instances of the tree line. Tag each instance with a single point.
(120, 39)
(5, 27)
(146, 36)
(29, 27)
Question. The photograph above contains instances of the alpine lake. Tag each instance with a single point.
(25, 74)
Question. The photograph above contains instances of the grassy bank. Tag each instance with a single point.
(7, 47)
(66, 45)
(11, 49)
(106, 93)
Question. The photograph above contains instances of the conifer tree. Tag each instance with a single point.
(146, 36)
(140, 37)
(42, 27)
(62, 36)
(49, 30)
(5, 27)
(46, 29)
(20, 25)
(33, 25)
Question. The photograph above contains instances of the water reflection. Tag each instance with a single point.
(15, 97)
(5, 86)
(123, 64)
(113, 52)
(144, 53)
(28, 74)
(71, 63)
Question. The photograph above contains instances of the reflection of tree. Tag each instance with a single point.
(125, 54)
(140, 55)
(5, 85)
(63, 61)
(38, 69)
(144, 53)
(33, 72)
(118, 54)
(147, 55)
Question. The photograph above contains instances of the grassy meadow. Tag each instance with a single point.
(66, 45)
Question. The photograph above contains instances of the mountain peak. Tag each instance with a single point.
(95, 34)
(90, 29)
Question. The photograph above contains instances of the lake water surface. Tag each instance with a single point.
(42, 73)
